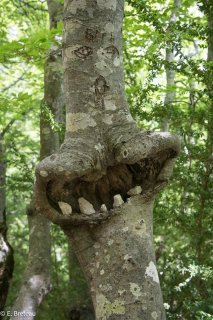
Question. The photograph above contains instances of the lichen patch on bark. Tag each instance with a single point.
(125, 229)
(99, 147)
(77, 4)
(109, 27)
(154, 315)
(107, 4)
(69, 51)
(107, 258)
(96, 245)
(4, 249)
(43, 173)
(151, 271)
(105, 308)
(140, 227)
(79, 121)
(129, 118)
(102, 67)
(135, 290)
(106, 288)
(109, 104)
(110, 242)
(36, 281)
(120, 292)
(117, 61)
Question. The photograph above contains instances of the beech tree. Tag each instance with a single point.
(100, 187)
(170, 73)
(160, 40)
(6, 251)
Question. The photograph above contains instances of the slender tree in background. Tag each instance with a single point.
(102, 167)
(207, 160)
(36, 279)
(209, 84)
(170, 72)
(6, 252)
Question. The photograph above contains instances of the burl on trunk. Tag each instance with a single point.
(101, 186)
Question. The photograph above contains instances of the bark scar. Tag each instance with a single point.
(90, 34)
(112, 50)
(101, 88)
(83, 52)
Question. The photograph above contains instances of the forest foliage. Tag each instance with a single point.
(183, 212)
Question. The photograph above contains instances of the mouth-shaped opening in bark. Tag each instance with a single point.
(116, 180)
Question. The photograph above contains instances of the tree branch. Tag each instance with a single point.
(6, 129)
(14, 83)
(33, 7)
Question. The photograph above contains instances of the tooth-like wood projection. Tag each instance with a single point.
(103, 208)
(85, 206)
(134, 191)
(65, 208)
(118, 201)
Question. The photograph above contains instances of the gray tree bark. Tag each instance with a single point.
(106, 159)
(6, 252)
(80, 304)
(54, 98)
(170, 72)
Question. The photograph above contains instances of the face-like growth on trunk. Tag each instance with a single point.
(104, 154)
(99, 174)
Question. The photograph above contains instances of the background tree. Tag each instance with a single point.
(6, 252)
(169, 59)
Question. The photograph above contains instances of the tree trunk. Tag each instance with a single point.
(105, 158)
(6, 252)
(170, 72)
(36, 280)
(210, 76)
(80, 303)
(208, 162)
